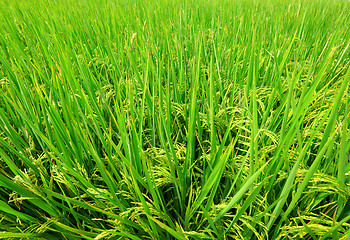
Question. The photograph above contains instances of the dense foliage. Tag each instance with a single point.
(174, 119)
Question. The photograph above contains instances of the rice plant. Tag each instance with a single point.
(140, 119)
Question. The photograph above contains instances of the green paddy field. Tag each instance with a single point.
(143, 119)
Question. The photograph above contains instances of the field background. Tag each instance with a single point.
(174, 119)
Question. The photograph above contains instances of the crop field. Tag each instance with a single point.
(175, 119)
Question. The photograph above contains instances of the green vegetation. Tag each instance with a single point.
(174, 120)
